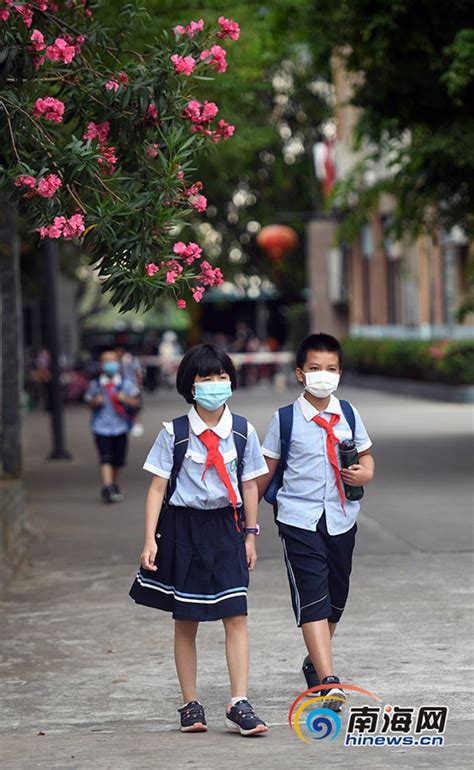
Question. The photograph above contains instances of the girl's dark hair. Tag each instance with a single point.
(203, 360)
(317, 342)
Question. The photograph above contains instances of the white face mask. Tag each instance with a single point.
(321, 384)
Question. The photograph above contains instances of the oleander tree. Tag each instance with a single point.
(100, 141)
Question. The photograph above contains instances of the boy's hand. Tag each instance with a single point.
(356, 475)
(251, 551)
(147, 556)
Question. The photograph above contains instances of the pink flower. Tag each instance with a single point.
(54, 230)
(183, 64)
(112, 85)
(210, 276)
(151, 113)
(26, 13)
(194, 189)
(122, 77)
(49, 107)
(152, 150)
(38, 40)
(107, 159)
(27, 181)
(218, 58)
(198, 293)
(199, 202)
(4, 14)
(190, 29)
(60, 50)
(200, 114)
(171, 276)
(98, 131)
(223, 131)
(180, 174)
(188, 253)
(48, 186)
(229, 28)
(181, 303)
(151, 269)
(73, 226)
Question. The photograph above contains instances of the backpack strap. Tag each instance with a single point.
(285, 414)
(240, 432)
(348, 413)
(181, 440)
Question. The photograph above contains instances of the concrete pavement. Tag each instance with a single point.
(93, 672)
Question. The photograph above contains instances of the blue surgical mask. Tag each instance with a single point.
(111, 367)
(212, 395)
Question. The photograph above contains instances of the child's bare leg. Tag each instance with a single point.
(332, 629)
(106, 474)
(317, 637)
(115, 474)
(185, 657)
(237, 653)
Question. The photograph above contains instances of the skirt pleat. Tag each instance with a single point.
(202, 571)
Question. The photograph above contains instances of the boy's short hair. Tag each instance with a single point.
(320, 341)
(203, 360)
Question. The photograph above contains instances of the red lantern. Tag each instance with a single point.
(276, 240)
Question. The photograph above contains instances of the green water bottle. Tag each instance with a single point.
(349, 456)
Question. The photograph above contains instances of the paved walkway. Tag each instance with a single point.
(93, 672)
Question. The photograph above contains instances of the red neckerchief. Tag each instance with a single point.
(331, 442)
(117, 405)
(214, 458)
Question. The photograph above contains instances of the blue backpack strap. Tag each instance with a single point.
(181, 440)
(348, 413)
(285, 415)
(240, 431)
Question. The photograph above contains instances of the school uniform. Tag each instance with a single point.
(317, 528)
(202, 571)
(111, 423)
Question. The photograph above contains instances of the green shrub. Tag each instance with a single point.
(429, 360)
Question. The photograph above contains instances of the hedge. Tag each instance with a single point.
(432, 361)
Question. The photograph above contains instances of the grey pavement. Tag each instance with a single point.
(87, 677)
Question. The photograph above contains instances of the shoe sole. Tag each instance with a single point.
(254, 731)
(198, 727)
(334, 700)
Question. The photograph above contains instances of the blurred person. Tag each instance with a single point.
(130, 366)
(169, 351)
(113, 400)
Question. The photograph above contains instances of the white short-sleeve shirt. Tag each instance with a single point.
(309, 482)
(192, 490)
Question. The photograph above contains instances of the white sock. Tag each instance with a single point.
(190, 701)
(235, 700)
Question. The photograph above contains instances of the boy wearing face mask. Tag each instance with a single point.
(111, 398)
(316, 523)
(200, 530)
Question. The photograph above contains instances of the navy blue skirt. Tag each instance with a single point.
(202, 571)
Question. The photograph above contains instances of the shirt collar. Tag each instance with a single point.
(105, 380)
(222, 429)
(309, 411)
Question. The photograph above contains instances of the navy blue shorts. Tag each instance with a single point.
(112, 449)
(318, 566)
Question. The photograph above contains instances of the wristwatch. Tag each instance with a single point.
(252, 530)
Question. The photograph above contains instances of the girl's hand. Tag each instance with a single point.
(356, 475)
(251, 551)
(147, 556)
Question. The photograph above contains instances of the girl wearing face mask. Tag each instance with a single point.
(111, 398)
(199, 544)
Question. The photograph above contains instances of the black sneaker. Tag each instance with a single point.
(193, 719)
(116, 494)
(309, 673)
(243, 719)
(107, 494)
(335, 697)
